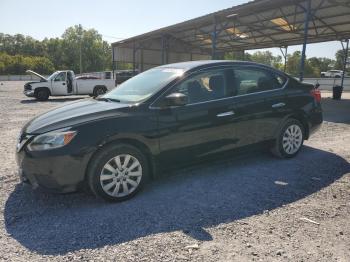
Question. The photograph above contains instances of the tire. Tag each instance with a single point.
(99, 90)
(337, 76)
(111, 183)
(290, 139)
(42, 95)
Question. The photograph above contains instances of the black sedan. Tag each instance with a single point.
(166, 115)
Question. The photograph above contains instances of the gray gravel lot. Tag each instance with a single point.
(245, 208)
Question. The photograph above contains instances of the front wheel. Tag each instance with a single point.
(42, 95)
(290, 139)
(118, 172)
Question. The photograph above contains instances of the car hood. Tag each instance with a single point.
(82, 111)
(36, 74)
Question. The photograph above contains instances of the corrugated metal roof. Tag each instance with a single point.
(256, 24)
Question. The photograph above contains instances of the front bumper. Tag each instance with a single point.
(29, 93)
(54, 171)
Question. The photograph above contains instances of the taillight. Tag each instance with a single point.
(316, 94)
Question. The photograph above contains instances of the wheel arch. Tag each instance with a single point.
(145, 150)
(37, 89)
(97, 86)
(301, 117)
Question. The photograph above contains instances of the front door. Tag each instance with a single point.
(207, 124)
(59, 84)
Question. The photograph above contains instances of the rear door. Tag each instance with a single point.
(262, 98)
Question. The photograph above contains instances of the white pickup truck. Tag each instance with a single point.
(64, 83)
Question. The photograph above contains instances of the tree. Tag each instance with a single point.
(267, 58)
(95, 52)
(321, 64)
(293, 66)
(242, 56)
(54, 52)
(18, 64)
(339, 63)
(63, 53)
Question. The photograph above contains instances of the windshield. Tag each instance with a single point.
(53, 76)
(144, 85)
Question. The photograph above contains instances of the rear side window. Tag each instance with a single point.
(251, 80)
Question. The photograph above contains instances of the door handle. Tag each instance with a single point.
(229, 113)
(278, 105)
(63, 84)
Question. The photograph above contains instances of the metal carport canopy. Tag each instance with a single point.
(254, 25)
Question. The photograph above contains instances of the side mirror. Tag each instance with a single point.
(176, 99)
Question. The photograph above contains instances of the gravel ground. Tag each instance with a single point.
(251, 208)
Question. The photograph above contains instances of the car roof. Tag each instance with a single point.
(195, 65)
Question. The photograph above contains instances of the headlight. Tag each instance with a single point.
(51, 140)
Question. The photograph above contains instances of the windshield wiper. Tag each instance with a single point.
(107, 99)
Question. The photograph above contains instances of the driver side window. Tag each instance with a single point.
(61, 77)
(203, 87)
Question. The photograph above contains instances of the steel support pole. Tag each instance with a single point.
(306, 32)
(141, 59)
(113, 65)
(134, 58)
(284, 54)
(346, 53)
(213, 41)
(163, 49)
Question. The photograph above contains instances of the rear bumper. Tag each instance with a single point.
(313, 129)
(315, 121)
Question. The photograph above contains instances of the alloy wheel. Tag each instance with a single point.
(292, 139)
(100, 91)
(121, 175)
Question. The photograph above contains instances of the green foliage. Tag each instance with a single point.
(96, 53)
(339, 60)
(313, 66)
(267, 58)
(18, 64)
(19, 53)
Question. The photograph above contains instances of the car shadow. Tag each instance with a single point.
(52, 100)
(189, 200)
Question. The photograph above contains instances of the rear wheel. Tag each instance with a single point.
(42, 95)
(289, 140)
(118, 172)
(99, 90)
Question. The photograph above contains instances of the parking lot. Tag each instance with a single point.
(243, 208)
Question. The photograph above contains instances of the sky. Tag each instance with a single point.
(116, 19)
